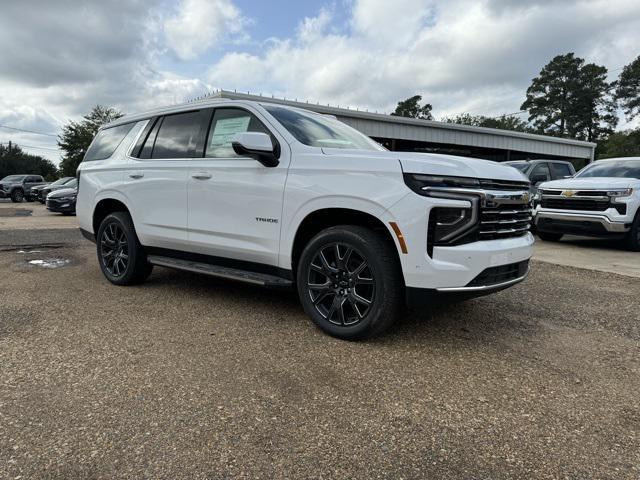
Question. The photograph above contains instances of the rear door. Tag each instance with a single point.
(156, 178)
(235, 203)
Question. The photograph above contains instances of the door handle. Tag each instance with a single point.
(136, 175)
(201, 175)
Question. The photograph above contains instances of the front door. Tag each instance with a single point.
(235, 203)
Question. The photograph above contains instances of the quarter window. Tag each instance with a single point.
(106, 142)
(177, 136)
(225, 124)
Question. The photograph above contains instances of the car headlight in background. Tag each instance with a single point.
(622, 192)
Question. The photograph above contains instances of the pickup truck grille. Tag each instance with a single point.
(504, 221)
(575, 204)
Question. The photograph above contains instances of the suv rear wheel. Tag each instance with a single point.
(121, 256)
(17, 195)
(349, 282)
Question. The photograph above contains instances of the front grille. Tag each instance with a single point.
(497, 275)
(581, 193)
(503, 184)
(504, 221)
(575, 204)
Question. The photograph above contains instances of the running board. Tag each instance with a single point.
(262, 279)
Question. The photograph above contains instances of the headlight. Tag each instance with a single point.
(623, 192)
(70, 198)
(417, 182)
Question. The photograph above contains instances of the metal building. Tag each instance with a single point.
(410, 134)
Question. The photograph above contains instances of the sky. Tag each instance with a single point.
(60, 58)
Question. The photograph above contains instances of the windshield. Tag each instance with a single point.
(612, 168)
(522, 166)
(62, 181)
(318, 130)
(13, 178)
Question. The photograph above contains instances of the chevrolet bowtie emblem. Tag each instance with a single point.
(568, 193)
(526, 197)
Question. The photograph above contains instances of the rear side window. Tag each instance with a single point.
(106, 142)
(177, 136)
(560, 170)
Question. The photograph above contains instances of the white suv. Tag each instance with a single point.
(284, 197)
(602, 200)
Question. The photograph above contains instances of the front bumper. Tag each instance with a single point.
(578, 223)
(56, 206)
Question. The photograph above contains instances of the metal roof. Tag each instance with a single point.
(402, 128)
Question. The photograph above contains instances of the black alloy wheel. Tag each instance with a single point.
(341, 284)
(17, 196)
(114, 250)
(350, 282)
(122, 258)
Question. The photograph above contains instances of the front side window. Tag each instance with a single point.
(225, 124)
(612, 168)
(177, 136)
(318, 130)
(540, 173)
(560, 170)
(106, 142)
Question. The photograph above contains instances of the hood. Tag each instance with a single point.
(438, 164)
(592, 183)
(63, 192)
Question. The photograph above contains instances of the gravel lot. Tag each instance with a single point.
(190, 377)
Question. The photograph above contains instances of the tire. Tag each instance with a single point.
(362, 284)
(17, 195)
(549, 237)
(632, 239)
(117, 235)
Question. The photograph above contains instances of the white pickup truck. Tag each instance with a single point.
(283, 197)
(602, 200)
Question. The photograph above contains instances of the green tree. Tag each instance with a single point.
(628, 89)
(621, 144)
(503, 122)
(13, 160)
(571, 98)
(411, 108)
(77, 136)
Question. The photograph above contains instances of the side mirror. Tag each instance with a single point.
(536, 179)
(258, 146)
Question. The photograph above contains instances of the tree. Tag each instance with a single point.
(503, 122)
(13, 160)
(76, 136)
(621, 144)
(571, 98)
(411, 108)
(628, 89)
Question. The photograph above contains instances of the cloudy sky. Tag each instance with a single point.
(61, 57)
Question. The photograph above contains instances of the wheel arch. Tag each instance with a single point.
(103, 208)
(324, 218)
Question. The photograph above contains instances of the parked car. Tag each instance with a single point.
(602, 200)
(63, 200)
(52, 187)
(33, 194)
(18, 187)
(284, 197)
(539, 171)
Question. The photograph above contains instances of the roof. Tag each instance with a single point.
(380, 125)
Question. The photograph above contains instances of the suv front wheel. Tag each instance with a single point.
(17, 195)
(121, 256)
(349, 282)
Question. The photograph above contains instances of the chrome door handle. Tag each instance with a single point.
(136, 175)
(201, 175)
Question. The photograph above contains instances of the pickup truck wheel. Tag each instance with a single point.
(349, 282)
(549, 237)
(633, 237)
(121, 256)
(17, 195)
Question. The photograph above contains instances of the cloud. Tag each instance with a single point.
(200, 24)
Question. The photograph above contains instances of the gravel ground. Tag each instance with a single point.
(190, 377)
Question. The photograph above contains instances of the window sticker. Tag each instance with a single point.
(226, 128)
